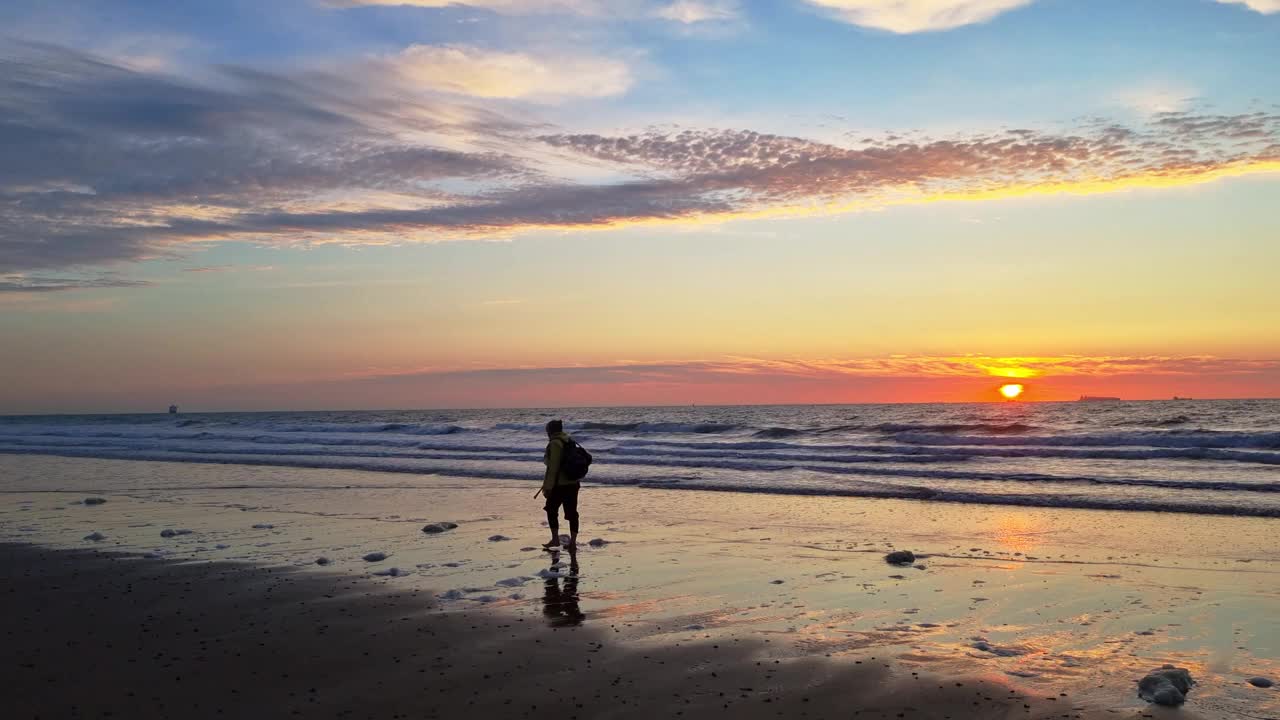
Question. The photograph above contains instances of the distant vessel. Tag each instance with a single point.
(1175, 397)
(173, 409)
(1098, 398)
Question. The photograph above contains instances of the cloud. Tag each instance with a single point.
(227, 268)
(1266, 7)
(1001, 367)
(857, 379)
(687, 12)
(762, 171)
(691, 12)
(913, 16)
(495, 74)
(94, 156)
(1159, 97)
(890, 366)
(22, 283)
(101, 164)
(589, 8)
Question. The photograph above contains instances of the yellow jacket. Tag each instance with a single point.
(552, 457)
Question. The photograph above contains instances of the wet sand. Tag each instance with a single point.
(698, 600)
(94, 633)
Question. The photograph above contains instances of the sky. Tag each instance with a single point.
(343, 204)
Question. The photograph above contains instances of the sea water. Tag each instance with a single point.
(1186, 456)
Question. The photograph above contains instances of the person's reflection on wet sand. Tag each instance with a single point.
(560, 606)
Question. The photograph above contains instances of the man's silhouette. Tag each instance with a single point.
(558, 487)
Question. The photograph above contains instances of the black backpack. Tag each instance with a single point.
(575, 462)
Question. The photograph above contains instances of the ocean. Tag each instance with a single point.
(1200, 457)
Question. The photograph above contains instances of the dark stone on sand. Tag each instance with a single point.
(598, 542)
(434, 528)
(1167, 685)
(375, 557)
(94, 501)
(775, 582)
(498, 538)
(987, 647)
(900, 557)
(323, 561)
(1260, 682)
(95, 536)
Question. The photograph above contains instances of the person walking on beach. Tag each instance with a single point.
(561, 483)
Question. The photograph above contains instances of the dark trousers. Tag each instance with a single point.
(566, 495)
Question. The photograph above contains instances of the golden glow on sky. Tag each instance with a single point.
(895, 196)
(1011, 390)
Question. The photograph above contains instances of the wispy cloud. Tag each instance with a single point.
(890, 366)
(227, 268)
(866, 379)
(496, 74)
(691, 12)
(1156, 97)
(100, 163)
(23, 283)
(913, 16)
(513, 7)
(1265, 7)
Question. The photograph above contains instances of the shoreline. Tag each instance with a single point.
(918, 495)
(1037, 601)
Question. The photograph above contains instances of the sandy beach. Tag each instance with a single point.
(747, 605)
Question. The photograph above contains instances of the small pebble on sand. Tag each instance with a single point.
(1261, 682)
(95, 536)
(375, 557)
(94, 501)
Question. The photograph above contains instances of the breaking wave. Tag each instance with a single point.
(1223, 458)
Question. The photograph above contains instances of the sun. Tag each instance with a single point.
(1011, 391)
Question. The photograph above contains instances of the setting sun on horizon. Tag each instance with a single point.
(1011, 391)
